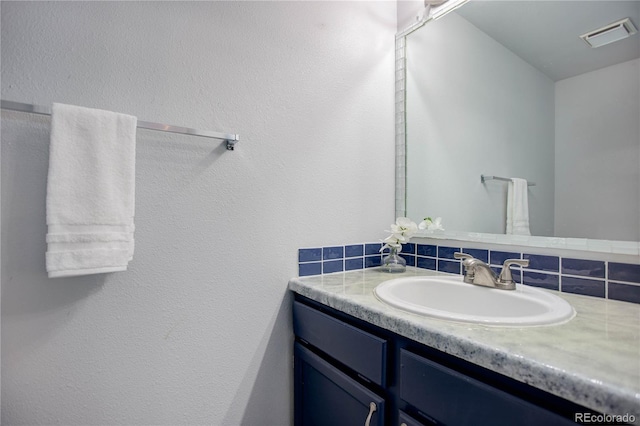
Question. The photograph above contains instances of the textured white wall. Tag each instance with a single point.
(197, 331)
(473, 107)
(598, 154)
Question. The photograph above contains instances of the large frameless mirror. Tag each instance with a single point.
(510, 89)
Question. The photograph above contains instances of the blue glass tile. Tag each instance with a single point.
(449, 266)
(537, 279)
(543, 263)
(353, 263)
(411, 259)
(332, 266)
(426, 263)
(624, 272)
(372, 248)
(409, 248)
(306, 269)
(329, 253)
(583, 286)
(354, 250)
(447, 252)
(624, 292)
(516, 273)
(372, 261)
(498, 257)
(586, 268)
(478, 254)
(309, 255)
(427, 250)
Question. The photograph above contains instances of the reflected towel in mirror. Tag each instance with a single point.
(518, 207)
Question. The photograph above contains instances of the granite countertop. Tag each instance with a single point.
(592, 360)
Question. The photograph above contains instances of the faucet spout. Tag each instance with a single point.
(479, 273)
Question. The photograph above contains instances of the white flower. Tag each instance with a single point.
(425, 223)
(431, 225)
(401, 232)
(392, 242)
(404, 227)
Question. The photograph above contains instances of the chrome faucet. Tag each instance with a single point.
(479, 273)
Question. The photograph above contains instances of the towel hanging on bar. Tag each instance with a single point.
(90, 191)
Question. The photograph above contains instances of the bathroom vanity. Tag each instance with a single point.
(385, 366)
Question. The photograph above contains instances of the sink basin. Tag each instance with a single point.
(452, 299)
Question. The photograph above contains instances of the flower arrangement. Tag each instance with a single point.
(405, 228)
(401, 232)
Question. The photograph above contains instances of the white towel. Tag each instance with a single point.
(518, 207)
(90, 191)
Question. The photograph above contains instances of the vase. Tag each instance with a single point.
(394, 262)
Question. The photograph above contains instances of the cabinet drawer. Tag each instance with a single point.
(363, 352)
(452, 398)
(325, 396)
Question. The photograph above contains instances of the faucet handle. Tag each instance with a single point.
(467, 259)
(458, 255)
(505, 274)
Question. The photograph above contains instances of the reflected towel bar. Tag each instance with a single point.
(229, 138)
(484, 178)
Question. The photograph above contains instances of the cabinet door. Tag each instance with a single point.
(456, 399)
(325, 396)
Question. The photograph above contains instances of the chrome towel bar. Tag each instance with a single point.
(229, 138)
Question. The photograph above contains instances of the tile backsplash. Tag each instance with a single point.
(605, 279)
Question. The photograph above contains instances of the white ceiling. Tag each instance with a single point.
(547, 33)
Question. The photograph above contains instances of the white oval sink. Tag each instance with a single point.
(452, 299)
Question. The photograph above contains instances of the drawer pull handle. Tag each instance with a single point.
(372, 409)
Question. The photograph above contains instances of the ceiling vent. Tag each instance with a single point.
(610, 33)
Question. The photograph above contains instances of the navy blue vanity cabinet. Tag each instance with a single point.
(337, 370)
(343, 365)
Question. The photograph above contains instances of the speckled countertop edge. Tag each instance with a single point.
(593, 360)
